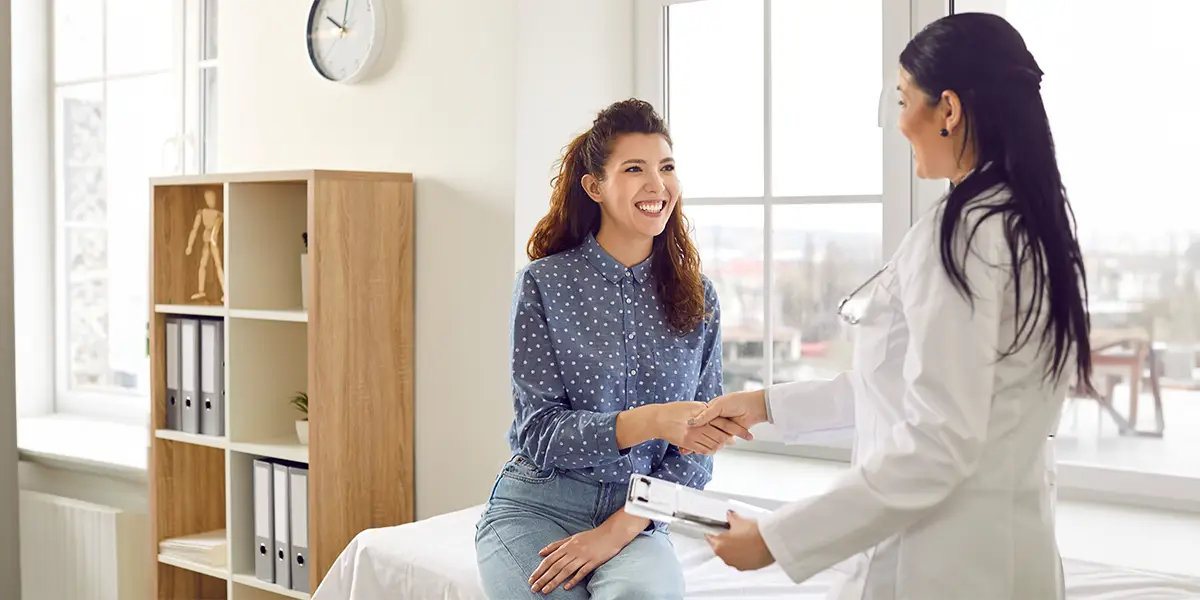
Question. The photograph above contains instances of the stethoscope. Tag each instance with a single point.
(853, 319)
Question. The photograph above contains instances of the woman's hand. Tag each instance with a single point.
(674, 426)
(670, 422)
(740, 410)
(577, 556)
(742, 547)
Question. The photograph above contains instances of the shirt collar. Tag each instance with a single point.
(611, 268)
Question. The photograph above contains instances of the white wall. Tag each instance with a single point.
(481, 99)
(10, 562)
(574, 57)
(105, 489)
(443, 112)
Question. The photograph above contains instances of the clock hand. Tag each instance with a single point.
(341, 27)
(345, 11)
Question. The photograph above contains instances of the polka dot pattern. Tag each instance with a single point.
(589, 340)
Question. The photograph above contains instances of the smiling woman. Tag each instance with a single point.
(615, 344)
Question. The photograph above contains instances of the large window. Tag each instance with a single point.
(133, 98)
(200, 86)
(1138, 217)
(773, 107)
(797, 195)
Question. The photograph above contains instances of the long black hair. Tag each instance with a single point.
(983, 59)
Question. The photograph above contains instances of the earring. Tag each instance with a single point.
(944, 132)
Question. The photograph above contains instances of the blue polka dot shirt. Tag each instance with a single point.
(589, 340)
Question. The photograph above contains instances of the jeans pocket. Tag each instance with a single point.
(523, 469)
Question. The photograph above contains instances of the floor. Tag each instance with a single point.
(1088, 436)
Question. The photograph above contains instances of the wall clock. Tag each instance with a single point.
(346, 38)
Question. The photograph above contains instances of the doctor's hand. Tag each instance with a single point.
(674, 425)
(747, 409)
(742, 409)
(742, 547)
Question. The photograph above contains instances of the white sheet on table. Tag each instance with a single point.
(434, 559)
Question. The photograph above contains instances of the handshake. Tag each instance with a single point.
(699, 428)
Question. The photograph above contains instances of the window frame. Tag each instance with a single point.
(896, 200)
(189, 27)
(195, 61)
(905, 197)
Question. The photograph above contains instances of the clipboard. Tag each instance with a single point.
(686, 509)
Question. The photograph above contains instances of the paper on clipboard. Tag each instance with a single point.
(686, 509)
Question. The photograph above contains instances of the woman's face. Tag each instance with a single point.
(922, 121)
(639, 190)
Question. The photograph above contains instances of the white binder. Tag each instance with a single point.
(283, 538)
(171, 349)
(264, 521)
(298, 483)
(189, 372)
(688, 510)
(212, 377)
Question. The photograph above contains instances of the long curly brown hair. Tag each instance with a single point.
(573, 215)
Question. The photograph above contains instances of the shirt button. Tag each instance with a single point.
(629, 273)
(632, 372)
(631, 336)
(627, 300)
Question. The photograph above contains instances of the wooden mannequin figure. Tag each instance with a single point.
(211, 219)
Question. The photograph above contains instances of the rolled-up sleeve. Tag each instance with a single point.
(548, 430)
(692, 470)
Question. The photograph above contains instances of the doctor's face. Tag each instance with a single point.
(921, 121)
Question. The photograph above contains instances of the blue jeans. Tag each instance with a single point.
(531, 508)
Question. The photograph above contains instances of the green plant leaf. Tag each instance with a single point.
(300, 401)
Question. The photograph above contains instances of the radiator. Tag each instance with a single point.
(74, 550)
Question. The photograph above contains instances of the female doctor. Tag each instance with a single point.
(962, 359)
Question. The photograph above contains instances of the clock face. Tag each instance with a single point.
(344, 37)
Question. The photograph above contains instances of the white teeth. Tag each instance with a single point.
(651, 207)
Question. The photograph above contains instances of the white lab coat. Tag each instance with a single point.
(950, 493)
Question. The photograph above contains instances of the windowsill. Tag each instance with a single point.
(1095, 532)
(1129, 484)
(83, 444)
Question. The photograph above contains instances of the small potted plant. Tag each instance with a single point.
(300, 401)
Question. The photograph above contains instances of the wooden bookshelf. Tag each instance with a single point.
(350, 348)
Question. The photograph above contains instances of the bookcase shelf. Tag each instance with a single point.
(211, 441)
(282, 449)
(248, 579)
(195, 567)
(347, 341)
(297, 316)
(192, 310)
